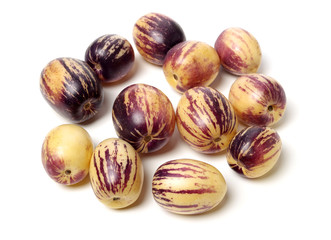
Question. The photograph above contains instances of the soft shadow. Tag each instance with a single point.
(288, 116)
(223, 81)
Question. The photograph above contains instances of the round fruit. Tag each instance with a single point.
(154, 34)
(66, 153)
(116, 173)
(143, 116)
(111, 57)
(258, 99)
(190, 64)
(186, 186)
(206, 120)
(71, 88)
(239, 51)
(254, 151)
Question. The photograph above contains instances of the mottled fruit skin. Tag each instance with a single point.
(154, 35)
(239, 51)
(258, 100)
(191, 64)
(66, 153)
(187, 186)
(254, 151)
(144, 116)
(206, 120)
(111, 57)
(72, 89)
(116, 173)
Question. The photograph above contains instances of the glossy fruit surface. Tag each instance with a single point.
(143, 116)
(258, 99)
(116, 173)
(66, 153)
(254, 151)
(72, 89)
(111, 57)
(206, 120)
(239, 51)
(154, 34)
(191, 64)
(187, 186)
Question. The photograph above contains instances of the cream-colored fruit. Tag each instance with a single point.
(66, 153)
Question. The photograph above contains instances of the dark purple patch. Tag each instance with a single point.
(109, 67)
(165, 33)
(254, 146)
(71, 102)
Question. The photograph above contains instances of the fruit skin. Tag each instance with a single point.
(254, 151)
(72, 89)
(154, 34)
(191, 64)
(239, 51)
(116, 173)
(206, 120)
(258, 99)
(66, 153)
(143, 116)
(111, 57)
(187, 186)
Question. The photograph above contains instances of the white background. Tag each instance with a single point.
(292, 201)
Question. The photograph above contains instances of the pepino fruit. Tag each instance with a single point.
(206, 120)
(66, 153)
(72, 89)
(254, 151)
(187, 186)
(143, 116)
(116, 173)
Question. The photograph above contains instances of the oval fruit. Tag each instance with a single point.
(186, 186)
(239, 51)
(154, 34)
(258, 99)
(254, 151)
(191, 64)
(111, 57)
(116, 173)
(143, 116)
(71, 88)
(206, 120)
(66, 153)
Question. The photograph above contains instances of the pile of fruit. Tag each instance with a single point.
(145, 120)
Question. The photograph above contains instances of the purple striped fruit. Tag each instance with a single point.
(66, 153)
(190, 64)
(154, 34)
(239, 51)
(254, 151)
(206, 120)
(116, 173)
(72, 89)
(186, 186)
(143, 116)
(258, 99)
(111, 57)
